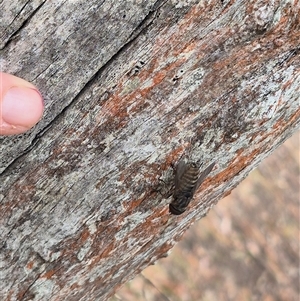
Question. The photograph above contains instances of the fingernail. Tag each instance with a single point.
(22, 106)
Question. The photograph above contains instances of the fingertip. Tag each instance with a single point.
(21, 108)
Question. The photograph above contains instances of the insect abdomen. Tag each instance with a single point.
(189, 179)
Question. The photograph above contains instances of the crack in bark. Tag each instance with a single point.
(15, 34)
(147, 21)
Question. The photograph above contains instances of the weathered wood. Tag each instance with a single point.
(130, 87)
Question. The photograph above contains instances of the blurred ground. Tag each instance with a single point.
(246, 248)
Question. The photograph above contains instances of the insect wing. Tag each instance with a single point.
(203, 175)
(180, 170)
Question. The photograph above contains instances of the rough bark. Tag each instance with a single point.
(131, 87)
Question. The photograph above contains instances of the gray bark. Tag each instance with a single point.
(130, 88)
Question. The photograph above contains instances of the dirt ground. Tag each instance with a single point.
(246, 248)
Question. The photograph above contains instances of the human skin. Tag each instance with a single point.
(21, 105)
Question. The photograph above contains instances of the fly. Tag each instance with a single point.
(187, 181)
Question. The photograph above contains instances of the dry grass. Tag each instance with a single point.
(247, 248)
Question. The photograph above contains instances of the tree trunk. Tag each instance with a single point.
(132, 87)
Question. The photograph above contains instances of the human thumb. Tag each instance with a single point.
(21, 105)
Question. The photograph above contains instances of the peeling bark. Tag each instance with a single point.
(130, 88)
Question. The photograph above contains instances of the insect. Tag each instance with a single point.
(187, 181)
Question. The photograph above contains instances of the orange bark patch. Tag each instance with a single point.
(158, 78)
(130, 205)
(48, 274)
(30, 265)
(84, 235)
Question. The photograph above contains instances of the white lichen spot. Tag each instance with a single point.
(183, 3)
(107, 141)
(264, 14)
(148, 83)
(84, 249)
(55, 256)
(43, 287)
(130, 86)
(256, 47)
(91, 226)
(193, 79)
